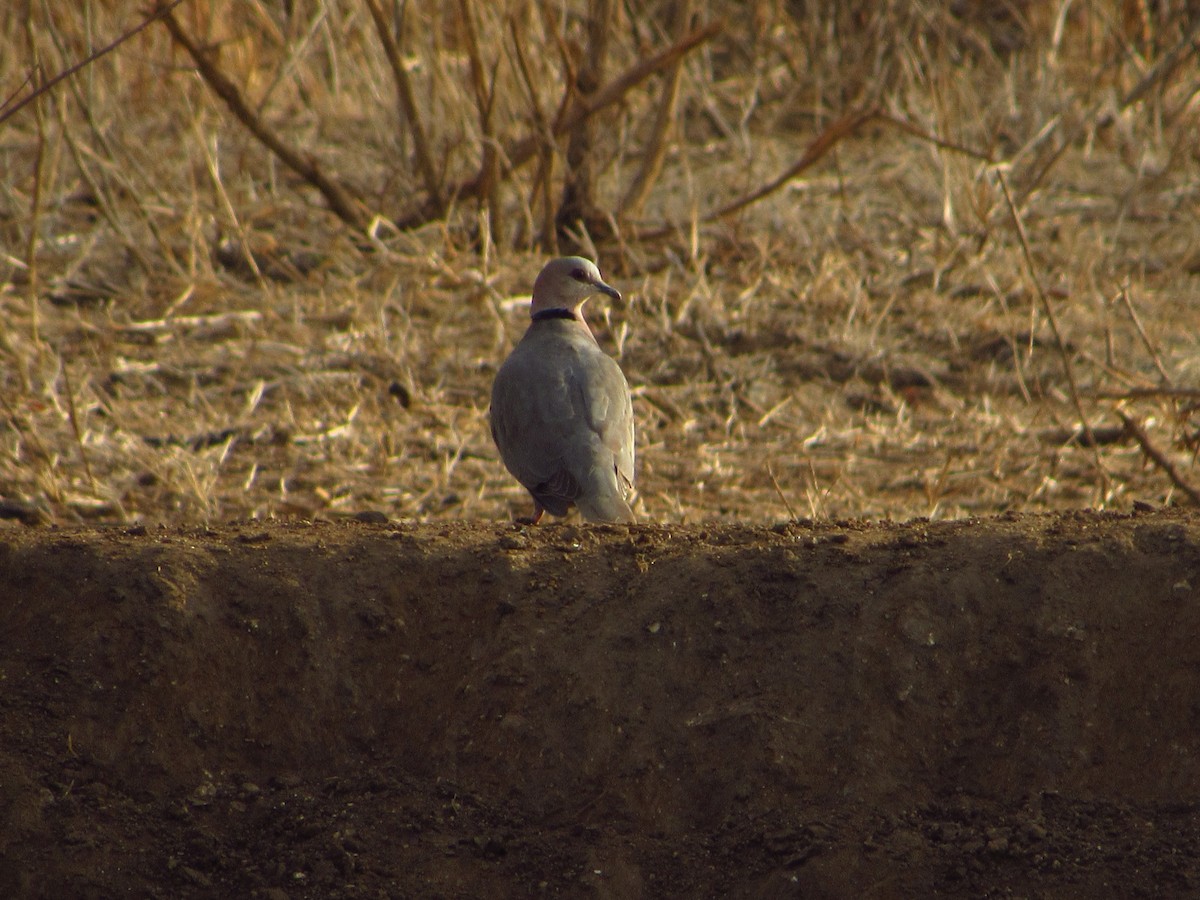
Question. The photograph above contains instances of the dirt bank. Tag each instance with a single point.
(1001, 707)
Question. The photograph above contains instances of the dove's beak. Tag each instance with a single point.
(607, 289)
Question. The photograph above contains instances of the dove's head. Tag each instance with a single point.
(565, 283)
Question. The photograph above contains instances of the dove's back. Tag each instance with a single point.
(562, 419)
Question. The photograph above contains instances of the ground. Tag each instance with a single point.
(266, 628)
(998, 707)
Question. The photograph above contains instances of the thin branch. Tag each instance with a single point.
(908, 127)
(540, 189)
(783, 497)
(1146, 342)
(120, 172)
(1162, 69)
(1157, 457)
(489, 164)
(1157, 73)
(656, 147)
(7, 112)
(73, 418)
(339, 200)
(408, 103)
(1053, 321)
(35, 200)
(523, 150)
(824, 142)
(577, 210)
(1144, 393)
(104, 202)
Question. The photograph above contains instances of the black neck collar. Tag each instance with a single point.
(557, 313)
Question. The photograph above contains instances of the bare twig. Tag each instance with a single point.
(578, 210)
(76, 430)
(119, 171)
(917, 132)
(215, 323)
(1144, 393)
(782, 497)
(1157, 457)
(1162, 69)
(103, 197)
(1058, 338)
(523, 150)
(1137, 323)
(540, 188)
(834, 132)
(214, 175)
(1158, 72)
(656, 146)
(489, 164)
(35, 201)
(8, 111)
(408, 103)
(824, 142)
(339, 200)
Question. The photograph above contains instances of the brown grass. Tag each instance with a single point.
(189, 333)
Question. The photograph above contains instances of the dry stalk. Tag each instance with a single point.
(541, 186)
(339, 200)
(521, 151)
(782, 497)
(1146, 342)
(1058, 339)
(832, 135)
(1145, 393)
(75, 429)
(104, 201)
(10, 109)
(35, 210)
(1157, 457)
(578, 209)
(1157, 73)
(817, 498)
(824, 142)
(1168, 63)
(1012, 340)
(406, 99)
(489, 165)
(655, 150)
(114, 169)
(941, 143)
(214, 175)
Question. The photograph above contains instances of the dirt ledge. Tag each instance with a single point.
(998, 707)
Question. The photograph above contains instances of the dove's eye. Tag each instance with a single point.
(579, 275)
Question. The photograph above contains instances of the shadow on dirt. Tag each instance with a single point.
(832, 710)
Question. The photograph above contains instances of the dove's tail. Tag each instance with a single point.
(608, 506)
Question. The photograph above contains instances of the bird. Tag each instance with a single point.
(561, 412)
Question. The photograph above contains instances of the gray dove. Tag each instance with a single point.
(561, 413)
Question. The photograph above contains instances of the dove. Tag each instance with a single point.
(561, 413)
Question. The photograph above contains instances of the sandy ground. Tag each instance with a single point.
(994, 707)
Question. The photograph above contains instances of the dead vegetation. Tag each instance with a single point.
(884, 260)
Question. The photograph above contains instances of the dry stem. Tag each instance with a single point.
(489, 164)
(335, 195)
(407, 101)
(664, 119)
(1058, 338)
(521, 151)
(8, 111)
(1158, 457)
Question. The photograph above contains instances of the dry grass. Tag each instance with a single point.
(190, 334)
